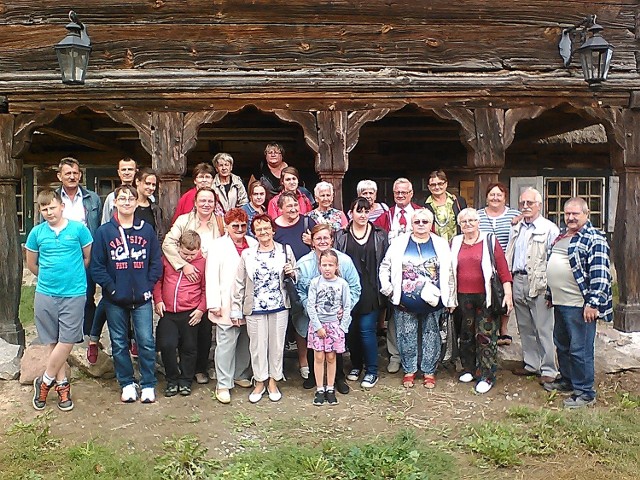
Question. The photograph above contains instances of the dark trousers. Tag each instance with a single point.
(89, 306)
(204, 344)
(478, 337)
(175, 333)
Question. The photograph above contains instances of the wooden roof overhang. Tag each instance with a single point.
(308, 89)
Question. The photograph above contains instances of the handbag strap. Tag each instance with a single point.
(491, 246)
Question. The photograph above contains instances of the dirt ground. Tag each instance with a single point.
(227, 429)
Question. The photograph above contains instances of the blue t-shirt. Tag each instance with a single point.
(61, 270)
(419, 265)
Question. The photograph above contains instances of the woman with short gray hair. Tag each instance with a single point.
(325, 213)
(228, 186)
(369, 190)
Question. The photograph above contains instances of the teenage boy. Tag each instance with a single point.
(180, 305)
(58, 253)
(127, 263)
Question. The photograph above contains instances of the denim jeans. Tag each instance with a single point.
(90, 305)
(363, 343)
(408, 326)
(118, 323)
(575, 341)
(99, 319)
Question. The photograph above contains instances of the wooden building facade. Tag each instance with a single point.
(353, 89)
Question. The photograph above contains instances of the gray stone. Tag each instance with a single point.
(102, 369)
(34, 362)
(9, 360)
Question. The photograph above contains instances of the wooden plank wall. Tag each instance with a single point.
(423, 35)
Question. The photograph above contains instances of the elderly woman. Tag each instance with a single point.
(472, 269)
(232, 358)
(497, 218)
(228, 186)
(444, 205)
(325, 213)
(366, 245)
(322, 237)
(259, 294)
(209, 226)
(257, 200)
(416, 275)
(369, 190)
(289, 180)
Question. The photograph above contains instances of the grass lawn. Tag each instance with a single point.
(26, 305)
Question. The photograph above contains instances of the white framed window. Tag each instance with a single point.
(558, 190)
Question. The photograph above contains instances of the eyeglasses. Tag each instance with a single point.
(402, 194)
(437, 184)
(204, 177)
(263, 229)
(421, 222)
(526, 203)
(322, 239)
(468, 221)
(238, 226)
(126, 199)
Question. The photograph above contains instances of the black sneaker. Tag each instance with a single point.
(309, 383)
(558, 385)
(185, 390)
(330, 396)
(64, 397)
(171, 390)
(41, 390)
(319, 399)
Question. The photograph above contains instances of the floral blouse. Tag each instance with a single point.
(333, 217)
(266, 285)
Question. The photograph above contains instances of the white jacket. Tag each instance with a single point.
(222, 265)
(391, 270)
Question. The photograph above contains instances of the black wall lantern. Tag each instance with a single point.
(73, 52)
(595, 52)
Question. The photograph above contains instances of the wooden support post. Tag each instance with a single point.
(11, 273)
(332, 160)
(626, 242)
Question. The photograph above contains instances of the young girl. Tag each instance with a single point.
(329, 310)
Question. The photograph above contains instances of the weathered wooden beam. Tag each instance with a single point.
(11, 273)
(93, 142)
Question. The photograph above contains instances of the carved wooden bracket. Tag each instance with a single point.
(24, 126)
(306, 120)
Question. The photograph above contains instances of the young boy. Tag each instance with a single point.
(180, 304)
(127, 263)
(58, 252)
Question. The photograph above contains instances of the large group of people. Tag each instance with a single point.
(241, 271)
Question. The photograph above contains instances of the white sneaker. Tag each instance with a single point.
(483, 386)
(148, 395)
(466, 378)
(304, 372)
(129, 393)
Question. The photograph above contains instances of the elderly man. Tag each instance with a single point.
(579, 286)
(527, 252)
(395, 222)
(81, 205)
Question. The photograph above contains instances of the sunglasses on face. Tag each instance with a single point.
(421, 222)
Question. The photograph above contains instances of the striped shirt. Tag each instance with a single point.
(500, 226)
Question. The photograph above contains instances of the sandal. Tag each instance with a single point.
(504, 340)
(408, 381)
(429, 382)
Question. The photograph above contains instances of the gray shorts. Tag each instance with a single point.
(59, 319)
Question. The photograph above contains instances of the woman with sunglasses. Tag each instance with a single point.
(417, 277)
(479, 329)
